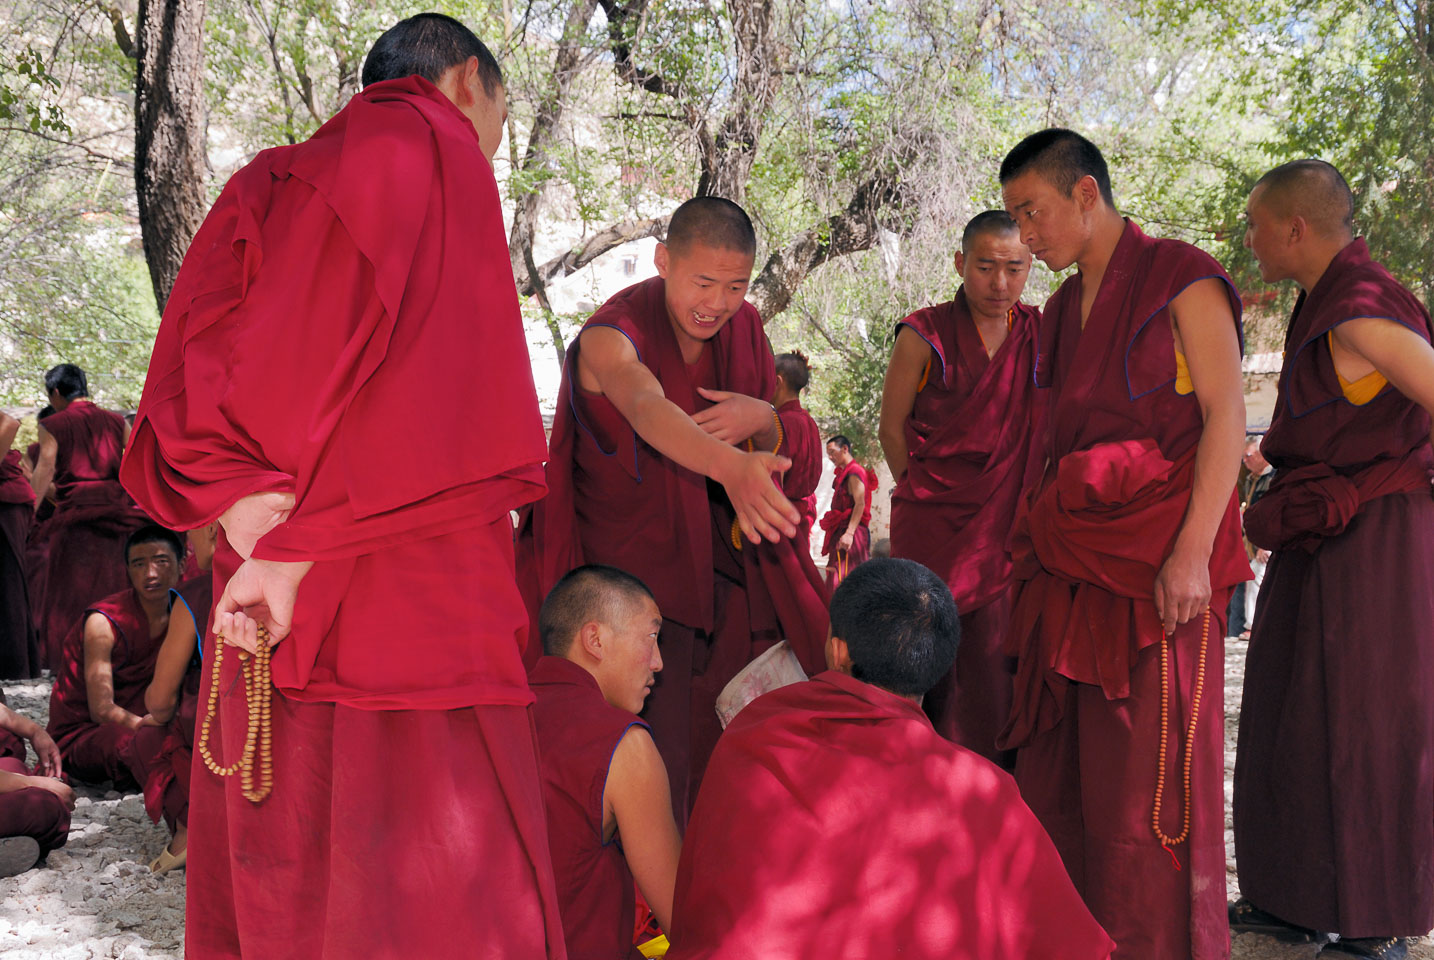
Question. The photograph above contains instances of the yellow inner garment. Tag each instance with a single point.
(1358, 392)
(1183, 385)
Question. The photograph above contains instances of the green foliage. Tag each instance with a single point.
(27, 93)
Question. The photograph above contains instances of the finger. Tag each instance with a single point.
(702, 416)
(717, 395)
(1165, 622)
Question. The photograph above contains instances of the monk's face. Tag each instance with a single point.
(840, 456)
(630, 659)
(153, 569)
(1054, 225)
(1266, 235)
(202, 541)
(1254, 460)
(994, 267)
(705, 286)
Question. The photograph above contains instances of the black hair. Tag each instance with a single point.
(428, 45)
(714, 222)
(795, 370)
(154, 533)
(900, 625)
(990, 221)
(1060, 156)
(840, 441)
(584, 594)
(1313, 189)
(68, 381)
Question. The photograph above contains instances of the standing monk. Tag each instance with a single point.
(665, 389)
(1126, 556)
(803, 442)
(19, 655)
(334, 283)
(80, 449)
(961, 420)
(848, 535)
(1334, 805)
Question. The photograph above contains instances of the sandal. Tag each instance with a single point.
(167, 861)
(1379, 948)
(1245, 917)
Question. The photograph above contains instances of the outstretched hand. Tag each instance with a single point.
(762, 509)
(260, 592)
(733, 417)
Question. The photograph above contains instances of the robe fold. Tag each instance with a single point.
(834, 522)
(836, 824)
(1333, 810)
(578, 732)
(19, 652)
(613, 499)
(93, 517)
(1120, 449)
(95, 752)
(333, 285)
(973, 440)
(802, 443)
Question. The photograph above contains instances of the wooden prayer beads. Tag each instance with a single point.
(258, 739)
(1166, 841)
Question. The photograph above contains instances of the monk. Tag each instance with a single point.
(803, 442)
(19, 655)
(847, 526)
(666, 389)
(160, 756)
(35, 805)
(604, 785)
(1334, 812)
(37, 542)
(80, 448)
(1125, 558)
(332, 285)
(836, 824)
(97, 702)
(960, 427)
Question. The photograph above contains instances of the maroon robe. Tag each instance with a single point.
(578, 732)
(93, 516)
(614, 499)
(33, 812)
(19, 653)
(37, 557)
(95, 752)
(1334, 808)
(836, 824)
(802, 443)
(332, 285)
(973, 442)
(1120, 451)
(834, 522)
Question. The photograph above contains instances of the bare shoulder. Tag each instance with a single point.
(605, 351)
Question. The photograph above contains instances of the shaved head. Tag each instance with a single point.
(585, 594)
(992, 222)
(713, 222)
(1310, 189)
(427, 45)
(1061, 158)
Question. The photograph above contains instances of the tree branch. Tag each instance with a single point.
(593, 247)
(122, 37)
(619, 17)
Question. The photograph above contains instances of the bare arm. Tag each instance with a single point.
(9, 428)
(99, 674)
(898, 396)
(44, 473)
(1403, 357)
(638, 800)
(610, 360)
(857, 489)
(161, 698)
(1205, 333)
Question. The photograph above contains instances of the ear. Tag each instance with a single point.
(838, 654)
(660, 259)
(961, 264)
(591, 639)
(1087, 193)
(1299, 229)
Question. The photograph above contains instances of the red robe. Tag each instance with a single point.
(578, 732)
(802, 442)
(973, 444)
(19, 653)
(837, 824)
(95, 752)
(614, 499)
(333, 288)
(93, 516)
(1333, 828)
(1120, 452)
(37, 557)
(834, 522)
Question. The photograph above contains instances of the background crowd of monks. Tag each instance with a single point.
(492, 736)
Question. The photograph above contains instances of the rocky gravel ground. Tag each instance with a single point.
(97, 899)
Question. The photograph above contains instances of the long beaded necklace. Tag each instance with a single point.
(258, 739)
(1166, 841)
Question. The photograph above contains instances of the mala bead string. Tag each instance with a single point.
(1166, 841)
(258, 732)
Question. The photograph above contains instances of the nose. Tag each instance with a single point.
(1247, 239)
(655, 664)
(1028, 234)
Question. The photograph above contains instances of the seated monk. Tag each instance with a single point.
(34, 808)
(605, 786)
(97, 702)
(160, 755)
(835, 823)
(847, 523)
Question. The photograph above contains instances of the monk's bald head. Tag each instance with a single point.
(587, 594)
(1060, 157)
(428, 45)
(1313, 190)
(991, 223)
(712, 222)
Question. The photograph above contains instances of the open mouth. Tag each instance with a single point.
(703, 320)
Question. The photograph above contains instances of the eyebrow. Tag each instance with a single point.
(703, 276)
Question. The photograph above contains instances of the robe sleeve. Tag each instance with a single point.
(801, 443)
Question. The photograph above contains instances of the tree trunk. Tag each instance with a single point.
(169, 124)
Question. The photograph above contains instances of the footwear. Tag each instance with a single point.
(1245, 917)
(167, 861)
(1379, 948)
(18, 854)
